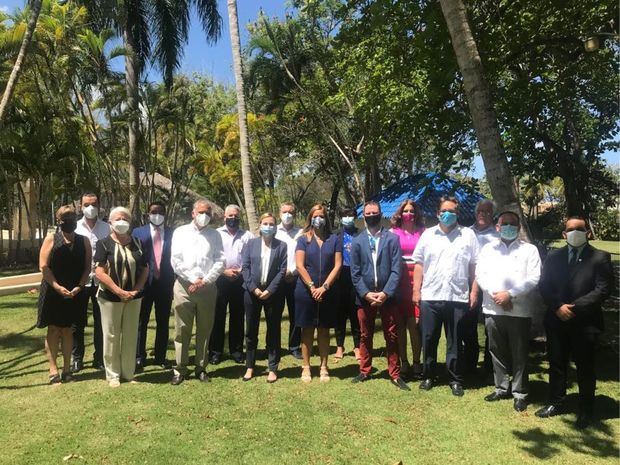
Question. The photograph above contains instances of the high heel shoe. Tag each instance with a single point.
(324, 375)
(306, 375)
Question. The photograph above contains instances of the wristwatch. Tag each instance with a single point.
(310, 284)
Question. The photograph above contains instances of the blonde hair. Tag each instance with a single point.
(64, 211)
(267, 215)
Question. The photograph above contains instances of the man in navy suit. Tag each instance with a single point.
(155, 239)
(575, 282)
(375, 272)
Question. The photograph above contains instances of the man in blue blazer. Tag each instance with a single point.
(375, 271)
(156, 240)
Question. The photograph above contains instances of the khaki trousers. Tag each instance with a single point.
(119, 323)
(187, 307)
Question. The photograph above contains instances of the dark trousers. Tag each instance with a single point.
(294, 333)
(389, 319)
(158, 293)
(274, 306)
(229, 295)
(432, 315)
(470, 348)
(563, 339)
(347, 310)
(78, 329)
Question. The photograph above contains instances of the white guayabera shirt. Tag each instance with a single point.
(101, 230)
(289, 237)
(514, 268)
(197, 253)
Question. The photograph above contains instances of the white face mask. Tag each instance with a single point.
(156, 219)
(202, 219)
(121, 226)
(90, 212)
(286, 218)
(576, 238)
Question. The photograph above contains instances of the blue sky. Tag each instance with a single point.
(216, 60)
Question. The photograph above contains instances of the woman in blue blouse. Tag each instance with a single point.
(318, 258)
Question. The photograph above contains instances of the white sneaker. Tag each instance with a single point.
(114, 383)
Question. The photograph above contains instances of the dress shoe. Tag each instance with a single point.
(360, 378)
(548, 411)
(67, 377)
(426, 385)
(77, 366)
(495, 396)
(584, 420)
(177, 379)
(400, 384)
(457, 389)
(520, 405)
(163, 364)
(55, 379)
(139, 367)
(246, 379)
(215, 359)
(238, 358)
(98, 365)
(202, 376)
(297, 354)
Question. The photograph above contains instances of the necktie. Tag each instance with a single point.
(373, 243)
(572, 257)
(157, 247)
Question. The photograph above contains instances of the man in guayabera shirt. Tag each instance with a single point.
(197, 258)
(445, 259)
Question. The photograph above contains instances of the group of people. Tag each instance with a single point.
(416, 279)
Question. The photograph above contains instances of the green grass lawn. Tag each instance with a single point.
(231, 422)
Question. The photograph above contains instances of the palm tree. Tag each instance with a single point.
(483, 115)
(244, 142)
(157, 30)
(21, 56)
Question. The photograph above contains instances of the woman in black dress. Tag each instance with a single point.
(64, 261)
(318, 258)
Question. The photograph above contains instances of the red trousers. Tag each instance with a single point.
(389, 318)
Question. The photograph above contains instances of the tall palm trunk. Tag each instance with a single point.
(483, 115)
(246, 170)
(21, 56)
(133, 112)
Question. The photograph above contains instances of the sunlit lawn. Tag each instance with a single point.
(232, 422)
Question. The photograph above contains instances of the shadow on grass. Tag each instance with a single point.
(597, 441)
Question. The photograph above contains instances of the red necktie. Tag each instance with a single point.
(157, 247)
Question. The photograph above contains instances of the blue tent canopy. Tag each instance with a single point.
(426, 190)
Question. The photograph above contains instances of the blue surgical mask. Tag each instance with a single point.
(347, 221)
(318, 222)
(447, 218)
(508, 232)
(267, 230)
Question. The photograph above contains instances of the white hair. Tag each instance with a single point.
(483, 202)
(121, 210)
(201, 202)
(232, 206)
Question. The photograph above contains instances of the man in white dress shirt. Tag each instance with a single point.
(445, 259)
(197, 259)
(230, 290)
(288, 233)
(94, 229)
(507, 272)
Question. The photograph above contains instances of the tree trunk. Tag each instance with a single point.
(21, 56)
(133, 113)
(483, 115)
(244, 145)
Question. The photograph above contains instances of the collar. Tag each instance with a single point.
(487, 230)
(238, 232)
(578, 249)
(378, 233)
(85, 224)
(456, 230)
(514, 244)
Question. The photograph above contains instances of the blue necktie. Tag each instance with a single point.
(572, 257)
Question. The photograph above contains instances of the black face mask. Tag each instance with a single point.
(68, 226)
(232, 223)
(373, 220)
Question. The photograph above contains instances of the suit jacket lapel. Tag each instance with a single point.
(382, 239)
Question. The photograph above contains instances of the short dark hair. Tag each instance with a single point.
(372, 202)
(158, 203)
(447, 198)
(509, 212)
(348, 211)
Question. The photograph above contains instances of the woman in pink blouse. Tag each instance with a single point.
(408, 225)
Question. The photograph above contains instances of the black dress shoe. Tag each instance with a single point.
(426, 385)
(177, 379)
(163, 364)
(520, 405)
(297, 354)
(98, 365)
(77, 366)
(457, 389)
(584, 420)
(360, 378)
(548, 411)
(238, 358)
(400, 384)
(202, 376)
(216, 359)
(67, 377)
(495, 396)
(139, 367)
